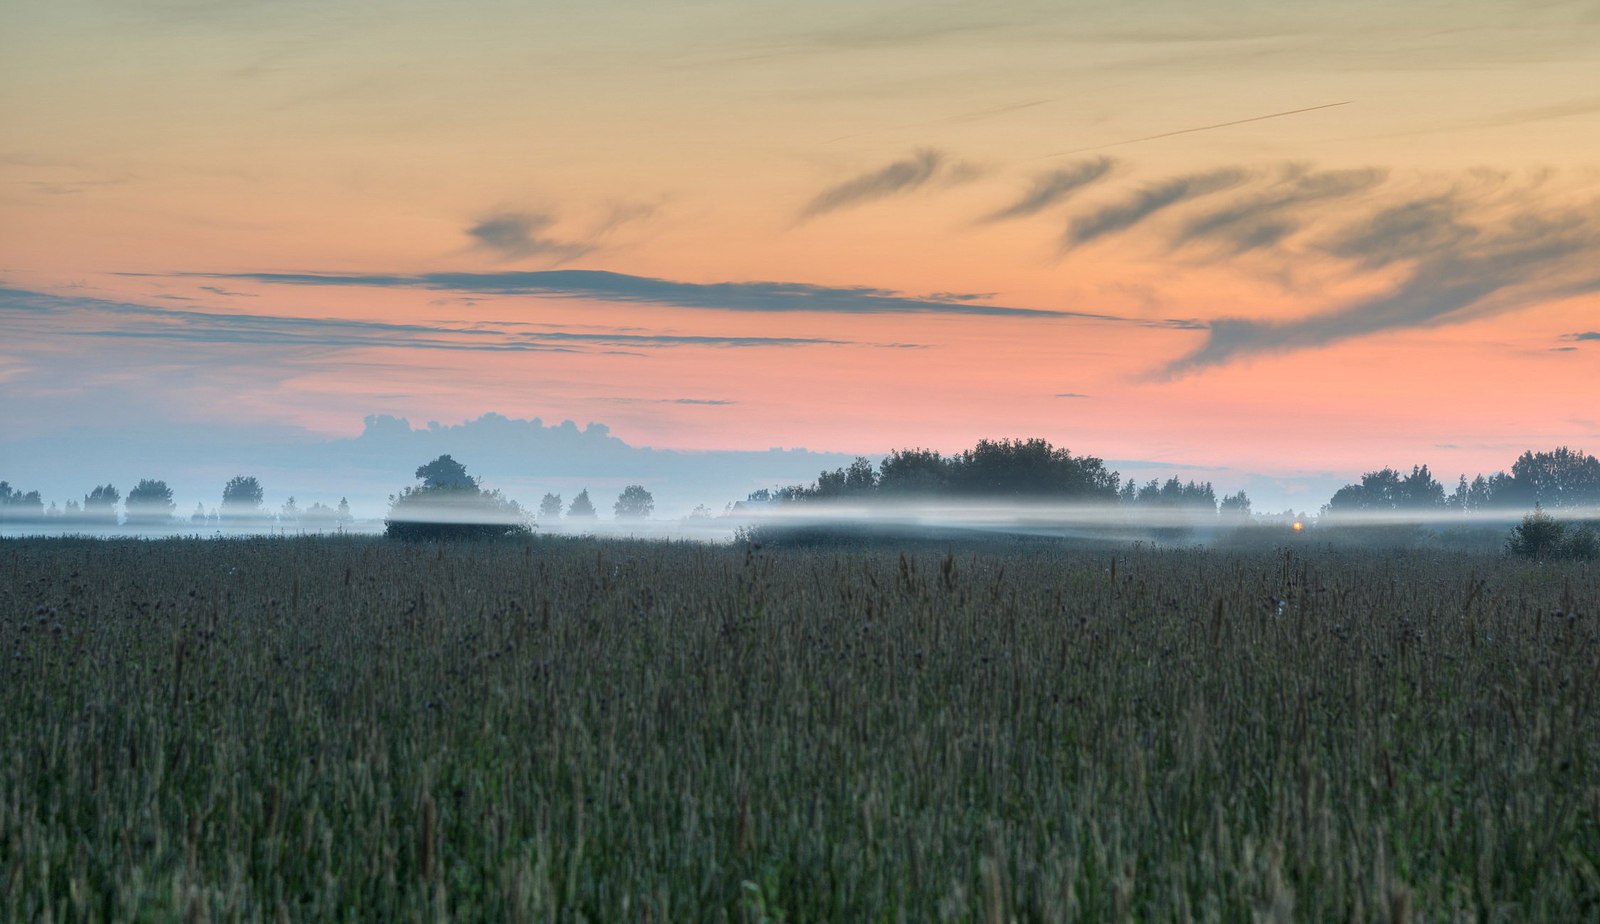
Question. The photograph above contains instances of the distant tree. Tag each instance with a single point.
(150, 504)
(1561, 478)
(1236, 506)
(241, 498)
(913, 472)
(550, 508)
(445, 473)
(198, 518)
(290, 514)
(634, 503)
(700, 512)
(1388, 490)
(1174, 494)
(16, 506)
(345, 517)
(449, 504)
(860, 478)
(1376, 491)
(319, 518)
(1419, 491)
(100, 506)
(581, 508)
(856, 480)
(1032, 469)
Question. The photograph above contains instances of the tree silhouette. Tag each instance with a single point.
(445, 473)
(550, 508)
(16, 506)
(1387, 490)
(150, 504)
(634, 503)
(450, 504)
(100, 506)
(582, 508)
(913, 472)
(1562, 478)
(241, 498)
(1236, 506)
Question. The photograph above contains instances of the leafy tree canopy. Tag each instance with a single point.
(634, 503)
(582, 508)
(242, 495)
(150, 502)
(445, 473)
(449, 504)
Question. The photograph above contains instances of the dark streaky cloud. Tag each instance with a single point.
(27, 311)
(1583, 335)
(902, 176)
(1464, 256)
(1265, 218)
(1145, 202)
(1053, 187)
(517, 235)
(619, 287)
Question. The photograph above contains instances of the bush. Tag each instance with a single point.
(442, 514)
(450, 505)
(1542, 536)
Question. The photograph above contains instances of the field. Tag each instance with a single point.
(567, 729)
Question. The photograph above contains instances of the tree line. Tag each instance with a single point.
(1031, 470)
(1560, 478)
(1035, 470)
(445, 496)
(449, 503)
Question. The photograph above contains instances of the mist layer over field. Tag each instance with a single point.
(884, 518)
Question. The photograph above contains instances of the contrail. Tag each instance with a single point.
(1202, 128)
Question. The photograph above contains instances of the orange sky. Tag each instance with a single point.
(1407, 276)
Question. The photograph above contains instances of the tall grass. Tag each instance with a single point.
(343, 729)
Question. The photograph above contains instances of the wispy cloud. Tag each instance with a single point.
(1070, 394)
(622, 288)
(1467, 253)
(1147, 201)
(902, 176)
(1054, 187)
(1583, 335)
(1265, 218)
(519, 235)
(57, 316)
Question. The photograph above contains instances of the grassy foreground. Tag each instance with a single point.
(564, 729)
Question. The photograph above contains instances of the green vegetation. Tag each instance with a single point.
(450, 504)
(1541, 535)
(345, 728)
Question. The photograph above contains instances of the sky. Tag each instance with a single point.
(1271, 245)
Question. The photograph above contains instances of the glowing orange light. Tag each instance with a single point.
(1298, 526)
